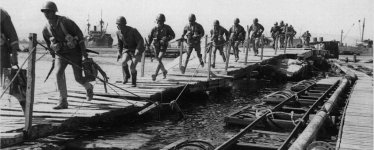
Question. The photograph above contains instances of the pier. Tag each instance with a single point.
(46, 121)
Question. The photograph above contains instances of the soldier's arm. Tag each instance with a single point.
(249, 30)
(244, 33)
(47, 40)
(73, 29)
(171, 34)
(262, 29)
(10, 32)
(227, 34)
(120, 43)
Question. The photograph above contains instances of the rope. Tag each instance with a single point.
(18, 71)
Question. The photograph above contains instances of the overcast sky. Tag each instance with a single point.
(321, 17)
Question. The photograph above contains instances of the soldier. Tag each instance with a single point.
(292, 34)
(306, 38)
(65, 38)
(194, 32)
(258, 29)
(130, 48)
(8, 48)
(281, 33)
(274, 31)
(218, 40)
(237, 35)
(160, 35)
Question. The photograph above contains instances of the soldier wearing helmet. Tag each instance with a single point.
(291, 34)
(130, 48)
(275, 31)
(160, 36)
(237, 35)
(219, 36)
(306, 38)
(8, 48)
(65, 38)
(257, 29)
(194, 32)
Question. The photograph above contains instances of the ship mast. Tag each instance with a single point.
(101, 22)
(363, 28)
(88, 24)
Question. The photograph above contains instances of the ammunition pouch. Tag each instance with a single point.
(90, 69)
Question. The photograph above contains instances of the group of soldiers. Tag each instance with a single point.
(282, 34)
(66, 42)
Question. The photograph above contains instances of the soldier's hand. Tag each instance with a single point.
(14, 59)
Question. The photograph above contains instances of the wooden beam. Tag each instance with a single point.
(30, 84)
(247, 47)
(206, 43)
(227, 56)
(209, 61)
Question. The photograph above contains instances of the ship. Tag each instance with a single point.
(98, 37)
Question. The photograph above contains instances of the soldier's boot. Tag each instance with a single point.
(133, 78)
(89, 92)
(154, 77)
(201, 60)
(62, 104)
(125, 73)
(165, 73)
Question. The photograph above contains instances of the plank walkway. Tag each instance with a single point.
(357, 131)
(11, 115)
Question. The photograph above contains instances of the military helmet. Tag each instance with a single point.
(236, 20)
(281, 22)
(276, 23)
(255, 20)
(49, 6)
(216, 23)
(121, 20)
(161, 17)
(192, 17)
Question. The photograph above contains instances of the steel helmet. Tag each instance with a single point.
(236, 21)
(49, 6)
(281, 22)
(216, 23)
(161, 17)
(255, 20)
(192, 18)
(276, 23)
(121, 20)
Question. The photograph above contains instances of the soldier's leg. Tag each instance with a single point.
(222, 53)
(214, 56)
(60, 66)
(134, 73)
(190, 48)
(253, 40)
(125, 68)
(80, 79)
(198, 52)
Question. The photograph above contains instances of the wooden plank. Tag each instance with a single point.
(30, 91)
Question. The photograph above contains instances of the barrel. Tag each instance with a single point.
(314, 39)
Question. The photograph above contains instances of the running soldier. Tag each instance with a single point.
(291, 35)
(130, 48)
(160, 36)
(194, 32)
(257, 29)
(237, 36)
(217, 37)
(66, 40)
(274, 31)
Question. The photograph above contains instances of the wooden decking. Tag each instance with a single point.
(357, 131)
(46, 120)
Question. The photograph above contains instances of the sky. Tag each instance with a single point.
(323, 18)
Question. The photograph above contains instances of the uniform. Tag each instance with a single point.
(56, 36)
(160, 36)
(255, 37)
(237, 35)
(291, 36)
(130, 46)
(275, 31)
(306, 37)
(217, 37)
(9, 46)
(194, 32)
